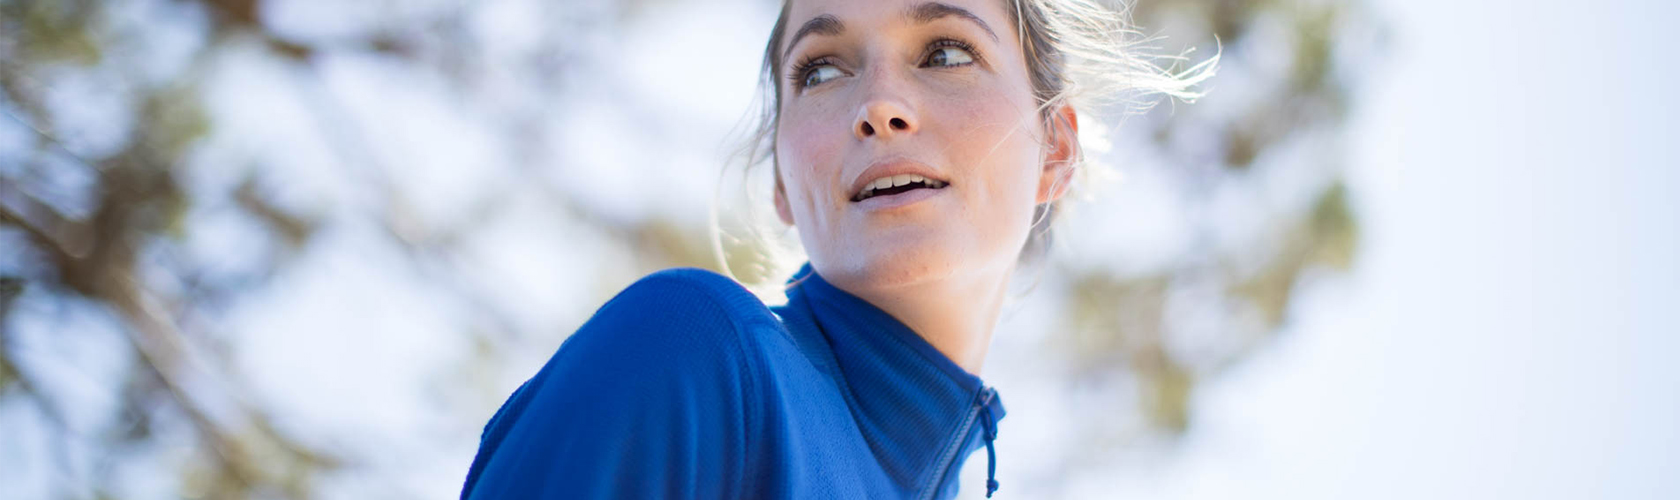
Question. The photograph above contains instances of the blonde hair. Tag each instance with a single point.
(1081, 53)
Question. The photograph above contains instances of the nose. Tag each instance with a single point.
(884, 114)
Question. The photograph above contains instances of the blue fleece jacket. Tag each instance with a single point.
(686, 386)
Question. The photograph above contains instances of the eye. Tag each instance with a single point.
(949, 53)
(819, 74)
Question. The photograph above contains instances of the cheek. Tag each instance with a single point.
(1002, 150)
(1002, 156)
(810, 159)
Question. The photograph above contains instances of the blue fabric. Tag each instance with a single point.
(686, 386)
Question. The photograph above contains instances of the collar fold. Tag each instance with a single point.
(912, 404)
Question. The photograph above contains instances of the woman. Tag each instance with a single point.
(919, 148)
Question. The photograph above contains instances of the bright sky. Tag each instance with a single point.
(1510, 330)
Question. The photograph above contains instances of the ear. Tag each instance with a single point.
(782, 210)
(1057, 171)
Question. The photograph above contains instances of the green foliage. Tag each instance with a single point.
(1335, 231)
(54, 31)
(123, 249)
(1132, 322)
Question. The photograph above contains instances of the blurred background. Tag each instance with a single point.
(305, 248)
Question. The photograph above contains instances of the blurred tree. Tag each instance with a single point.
(1263, 147)
(105, 163)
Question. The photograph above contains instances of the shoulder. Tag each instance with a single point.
(671, 355)
(671, 336)
(687, 286)
(688, 317)
(683, 298)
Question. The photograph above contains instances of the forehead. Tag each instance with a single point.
(868, 14)
(889, 6)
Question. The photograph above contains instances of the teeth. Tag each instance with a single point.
(897, 180)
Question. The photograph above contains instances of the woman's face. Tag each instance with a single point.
(878, 89)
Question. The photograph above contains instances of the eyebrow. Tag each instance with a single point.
(922, 13)
(933, 11)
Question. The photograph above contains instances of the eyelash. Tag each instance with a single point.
(802, 70)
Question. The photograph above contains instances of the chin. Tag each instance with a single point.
(892, 264)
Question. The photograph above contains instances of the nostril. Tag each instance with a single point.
(898, 124)
(867, 129)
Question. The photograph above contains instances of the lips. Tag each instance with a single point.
(888, 178)
(888, 186)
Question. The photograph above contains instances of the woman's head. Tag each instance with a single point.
(973, 99)
(870, 91)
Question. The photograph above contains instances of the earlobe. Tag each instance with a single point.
(782, 210)
(1057, 173)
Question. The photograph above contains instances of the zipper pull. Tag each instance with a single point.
(989, 427)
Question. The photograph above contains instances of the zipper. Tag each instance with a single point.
(981, 404)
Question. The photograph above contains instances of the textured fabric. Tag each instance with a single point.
(686, 386)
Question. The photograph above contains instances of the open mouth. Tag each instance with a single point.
(902, 183)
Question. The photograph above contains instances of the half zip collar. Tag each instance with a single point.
(920, 413)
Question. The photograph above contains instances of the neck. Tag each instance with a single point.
(956, 315)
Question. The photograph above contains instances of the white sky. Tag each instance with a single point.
(1510, 329)
(1508, 332)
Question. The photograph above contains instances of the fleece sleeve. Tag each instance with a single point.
(648, 399)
